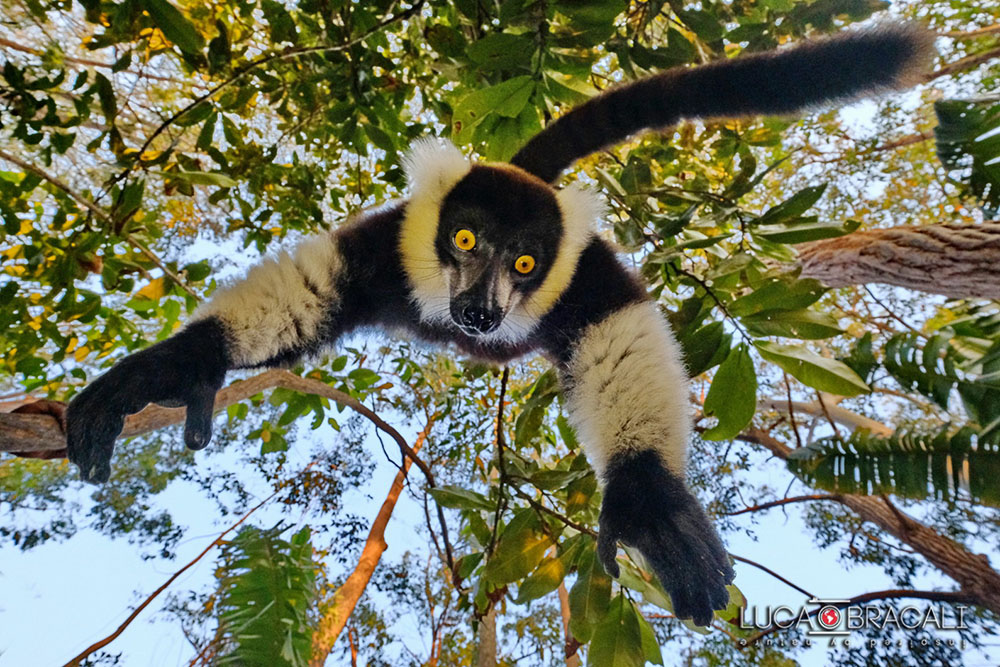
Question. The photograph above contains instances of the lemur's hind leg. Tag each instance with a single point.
(628, 397)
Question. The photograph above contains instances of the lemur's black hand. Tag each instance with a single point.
(649, 508)
(186, 369)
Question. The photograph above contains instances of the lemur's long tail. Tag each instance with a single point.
(839, 68)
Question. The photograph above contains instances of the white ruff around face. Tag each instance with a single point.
(433, 167)
(628, 390)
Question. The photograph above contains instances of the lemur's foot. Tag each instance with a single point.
(649, 508)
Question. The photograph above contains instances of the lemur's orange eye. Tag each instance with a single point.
(465, 240)
(524, 264)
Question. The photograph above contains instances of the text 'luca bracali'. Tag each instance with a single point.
(833, 622)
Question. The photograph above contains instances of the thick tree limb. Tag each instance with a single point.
(42, 432)
(978, 581)
(958, 261)
(20, 432)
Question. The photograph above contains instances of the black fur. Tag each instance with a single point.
(185, 369)
(777, 82)
(647, 507)
(601, 286)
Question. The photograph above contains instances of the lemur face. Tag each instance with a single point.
(497, 237)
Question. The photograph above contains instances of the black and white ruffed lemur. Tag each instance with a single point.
(494, 260)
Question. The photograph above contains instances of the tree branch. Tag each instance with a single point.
(100, 214)
(345, 598)
(784, 501)
(145, 603)
(835, 412)
(966, 63)
(958, 261)
(971, 34)
(976, 577)
(772, 573)
(96, 63)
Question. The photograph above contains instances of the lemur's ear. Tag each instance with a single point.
(433, 166)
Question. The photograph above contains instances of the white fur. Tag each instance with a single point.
(264, 313)
(628, 391)
(433, 167)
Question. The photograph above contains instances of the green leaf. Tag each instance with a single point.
(862, 357)
(650, 645)
(815, 371)
(175, 26)
(617, 640)
(703, 23)
(803, 230)
(912, 464)
(778, 295)
(589, 597)
(458, 498)
(701, 347)
(203, 178)
(466, 565)
(807, 324)
(732, 398)
(504, 99)
(545, 579)
(792, 207)
(518, 551)
(968, 144)
(501, 50)
(106, 94)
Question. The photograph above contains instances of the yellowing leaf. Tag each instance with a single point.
(154, 291)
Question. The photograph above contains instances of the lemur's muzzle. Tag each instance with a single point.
(480, 319)
(476, 310)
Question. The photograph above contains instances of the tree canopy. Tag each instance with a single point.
(831, 280)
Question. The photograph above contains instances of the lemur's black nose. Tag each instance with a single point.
(478, 318)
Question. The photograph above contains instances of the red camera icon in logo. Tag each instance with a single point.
(829, 617)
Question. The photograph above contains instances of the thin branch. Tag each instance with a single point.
(100, 214)
(96, 646)
(784, 501)
(94, 63)
(501, 499)
(79, 199)
(791, 410)
(966, 63)
(971, 34)
(551, 512)
(834, 412)
(772, 573)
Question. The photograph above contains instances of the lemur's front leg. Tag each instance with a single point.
(285, 307)
(628, 398)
